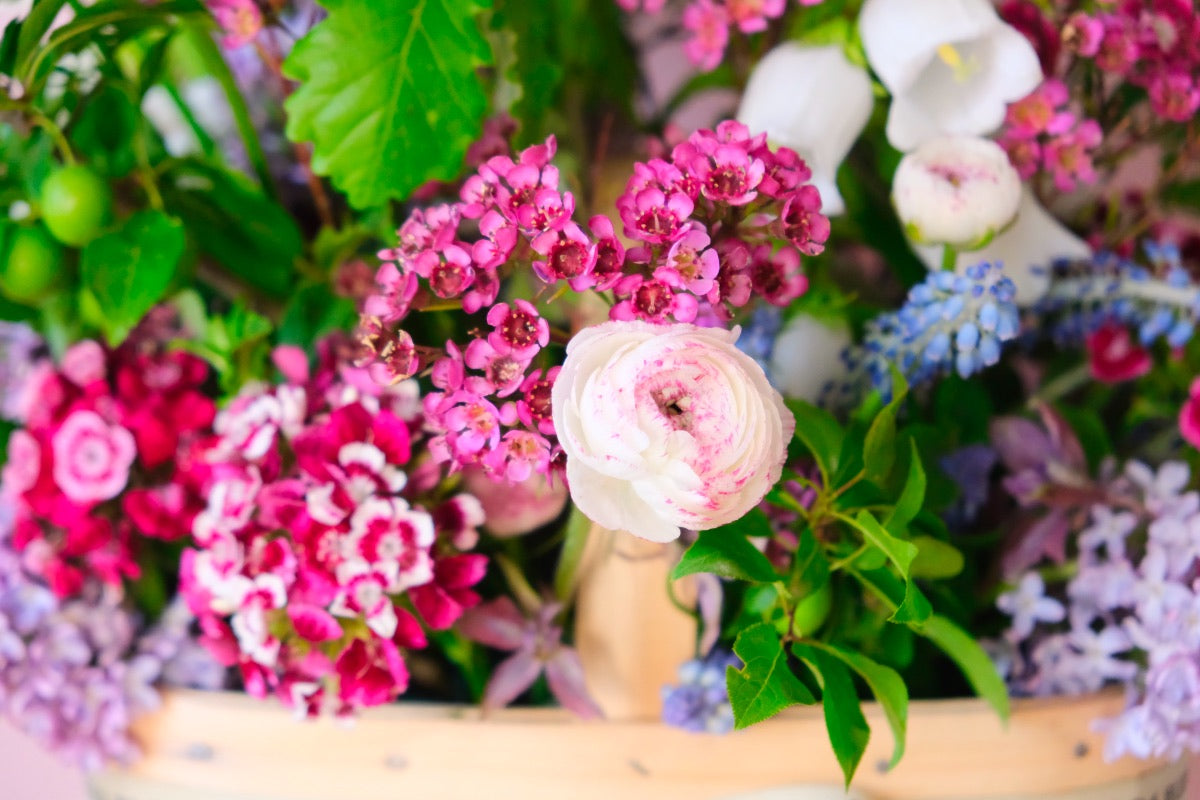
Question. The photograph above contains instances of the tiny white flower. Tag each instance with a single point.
(952, 66)
(1028, 605)
(956, 190)
(808, 356)
(1025, 249)
(814, 101)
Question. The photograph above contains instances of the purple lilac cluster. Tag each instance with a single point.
(74, 674)
(20, 355)
(700, 702)
(1130, 614)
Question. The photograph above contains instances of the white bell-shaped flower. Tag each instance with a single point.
(808, 356)
(956, 190)
(952, 66)
(814, 101)
(1026, 249)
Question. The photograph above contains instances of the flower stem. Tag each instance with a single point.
(949, 258)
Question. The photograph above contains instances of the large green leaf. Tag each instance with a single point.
(726, 551)
(820, 433)
(129, 269)
(389, 93)
(848, 728)
(887, 686)
(971, 659)
(765, 685)
(912, 496)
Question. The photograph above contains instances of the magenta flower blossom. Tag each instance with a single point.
(240, 19)
(708, 22)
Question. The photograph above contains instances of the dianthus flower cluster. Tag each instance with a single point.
(315, 543)
(1041, 134)
(705, 223)
(709, 22)
(1154, 44)
(1129, 615)
(107, 455)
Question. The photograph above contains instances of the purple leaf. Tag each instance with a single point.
(1043, 536)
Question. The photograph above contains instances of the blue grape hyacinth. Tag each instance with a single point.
(1159, 302)
(950, 322)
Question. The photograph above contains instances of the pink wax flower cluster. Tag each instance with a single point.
(1129, 615)
(241, 20)
(709, 23)
(107, 455)
(705, 223)
(1154, 44)
(315, 543)
(1042, 135)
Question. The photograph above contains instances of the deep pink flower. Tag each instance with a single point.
(777, 277)
(518, 329)
(1069, 155)
(730, 175)
(691, 264)
(370, 672)
(1189, 416)
(709, 26)
(751, 15)
(802, 222)
(92, 458)
(568, 255)
(503, 372)
(240, 19)
(1024, 154)
(534, 409)
(651, 300)
(443, 600)
(1039, 112)
(609, 255)
(1083, 34)
(656, 218)
(1114, 356)
(1175, 95)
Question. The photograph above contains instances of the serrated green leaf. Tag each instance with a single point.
(389, 94)
(887, 686)
(765, 685)
(971, 659)
(129, 269)
(898, 551)
(727, 552)
(817, 429)
(912, 496)
(935, 558)
(848, 728)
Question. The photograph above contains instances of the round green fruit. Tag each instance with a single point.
(76, 204)
(33, 265)
(812, 610)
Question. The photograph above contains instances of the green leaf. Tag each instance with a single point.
(912, 496)
(105, 129)
(848, 728)
(820, 433)
(899, 552)
(535, 67)
(40, 18)
(765, 685)
(234, 223)
(389, 93)
(727, 552)
(130, 269)
(1185, 194)
(915, 608)
(935, 558)
(971, 659)
(887, 686)
(879, 449)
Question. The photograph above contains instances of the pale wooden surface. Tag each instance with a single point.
(956, 749)
(630, 636)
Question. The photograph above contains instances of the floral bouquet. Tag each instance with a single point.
(331, 333)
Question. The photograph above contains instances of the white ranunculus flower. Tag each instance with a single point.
(667, 427)
(814, 101)
(808, 356)
(952, 66)
(956, 190)
(1034, 241)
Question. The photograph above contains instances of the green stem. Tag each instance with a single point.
(204, 45)
(949, 258)
(1063, 385)
(55, 133)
